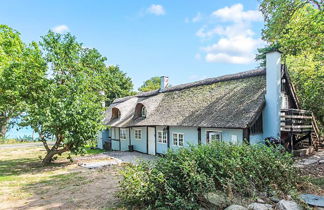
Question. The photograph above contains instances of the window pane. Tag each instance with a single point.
(159, 136)
(175, 139)
(164, 137)
(180, 139)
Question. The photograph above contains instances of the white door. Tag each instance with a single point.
(151, 140)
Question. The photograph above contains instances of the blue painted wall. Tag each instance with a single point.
(256, 138)
(161, 147)
(190, 136)
(141, 144)
(271, 112)
(227, 134)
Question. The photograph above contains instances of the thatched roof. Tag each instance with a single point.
(230, 101)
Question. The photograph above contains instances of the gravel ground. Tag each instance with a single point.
(131, 157)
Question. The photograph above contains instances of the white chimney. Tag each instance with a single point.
(271, 113)
(164, 82)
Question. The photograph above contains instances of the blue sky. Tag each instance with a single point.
(185, 40)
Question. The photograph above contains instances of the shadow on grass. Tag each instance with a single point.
(11, 168)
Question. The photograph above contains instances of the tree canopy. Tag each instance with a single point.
(296, 28)
(20, 67)
(150, 84)
(116, 84)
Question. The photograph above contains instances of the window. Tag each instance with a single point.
(140, 111)
(213, 136)
(178, 139)
(234, 139)
(123, 134)
(143, 112)
(257, 127)
(138, 134)
(162, 137)
(115, 113)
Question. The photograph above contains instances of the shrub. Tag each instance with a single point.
(182, 177)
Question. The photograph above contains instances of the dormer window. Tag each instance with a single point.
(115, 113)
(140, 111)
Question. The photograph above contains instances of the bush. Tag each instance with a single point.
(181, 178)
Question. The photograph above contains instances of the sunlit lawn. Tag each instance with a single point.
(22, 175)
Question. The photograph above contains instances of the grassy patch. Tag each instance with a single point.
(318, 181)
(91, 151)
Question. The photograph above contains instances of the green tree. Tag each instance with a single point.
(296, 28)
(20, 67)
(68, 106)
(117, 84)
(151, 84)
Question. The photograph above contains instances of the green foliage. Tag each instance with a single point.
(295, 27)
(67, 103)
(20, 68)
(117, 84)
(261, 56)
(151, 84)
(181, 178)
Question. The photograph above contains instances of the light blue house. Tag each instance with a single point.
(248, 106)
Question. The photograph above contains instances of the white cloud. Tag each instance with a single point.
(156, 9)
(235, 13)
(227, 58)
(234, 42)
(195, 19)
(60, 29)
(237, 44)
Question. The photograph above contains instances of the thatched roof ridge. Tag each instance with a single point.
(208, 81)
(230, 101)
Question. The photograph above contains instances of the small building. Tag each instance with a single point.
(248, 106)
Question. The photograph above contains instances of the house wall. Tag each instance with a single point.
(227, 134)
(256, 138)
(190, 136)
(161, 148)
(141, 144)
(99, 140)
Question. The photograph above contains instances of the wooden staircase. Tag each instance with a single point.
(315, 135)
(300, 129)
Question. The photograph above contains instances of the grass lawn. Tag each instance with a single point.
(24, 183)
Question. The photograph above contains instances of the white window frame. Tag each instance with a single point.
(123, 134)
(162, 137)
(136, 135)
(177, 143)
(214, 131)
(165, 137)
(234, 139)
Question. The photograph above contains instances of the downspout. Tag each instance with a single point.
(168, 137)
(199, 135)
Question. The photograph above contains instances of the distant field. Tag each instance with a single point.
(25, 184)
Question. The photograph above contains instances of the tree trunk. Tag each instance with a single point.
(49, 156)
(3, 126)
